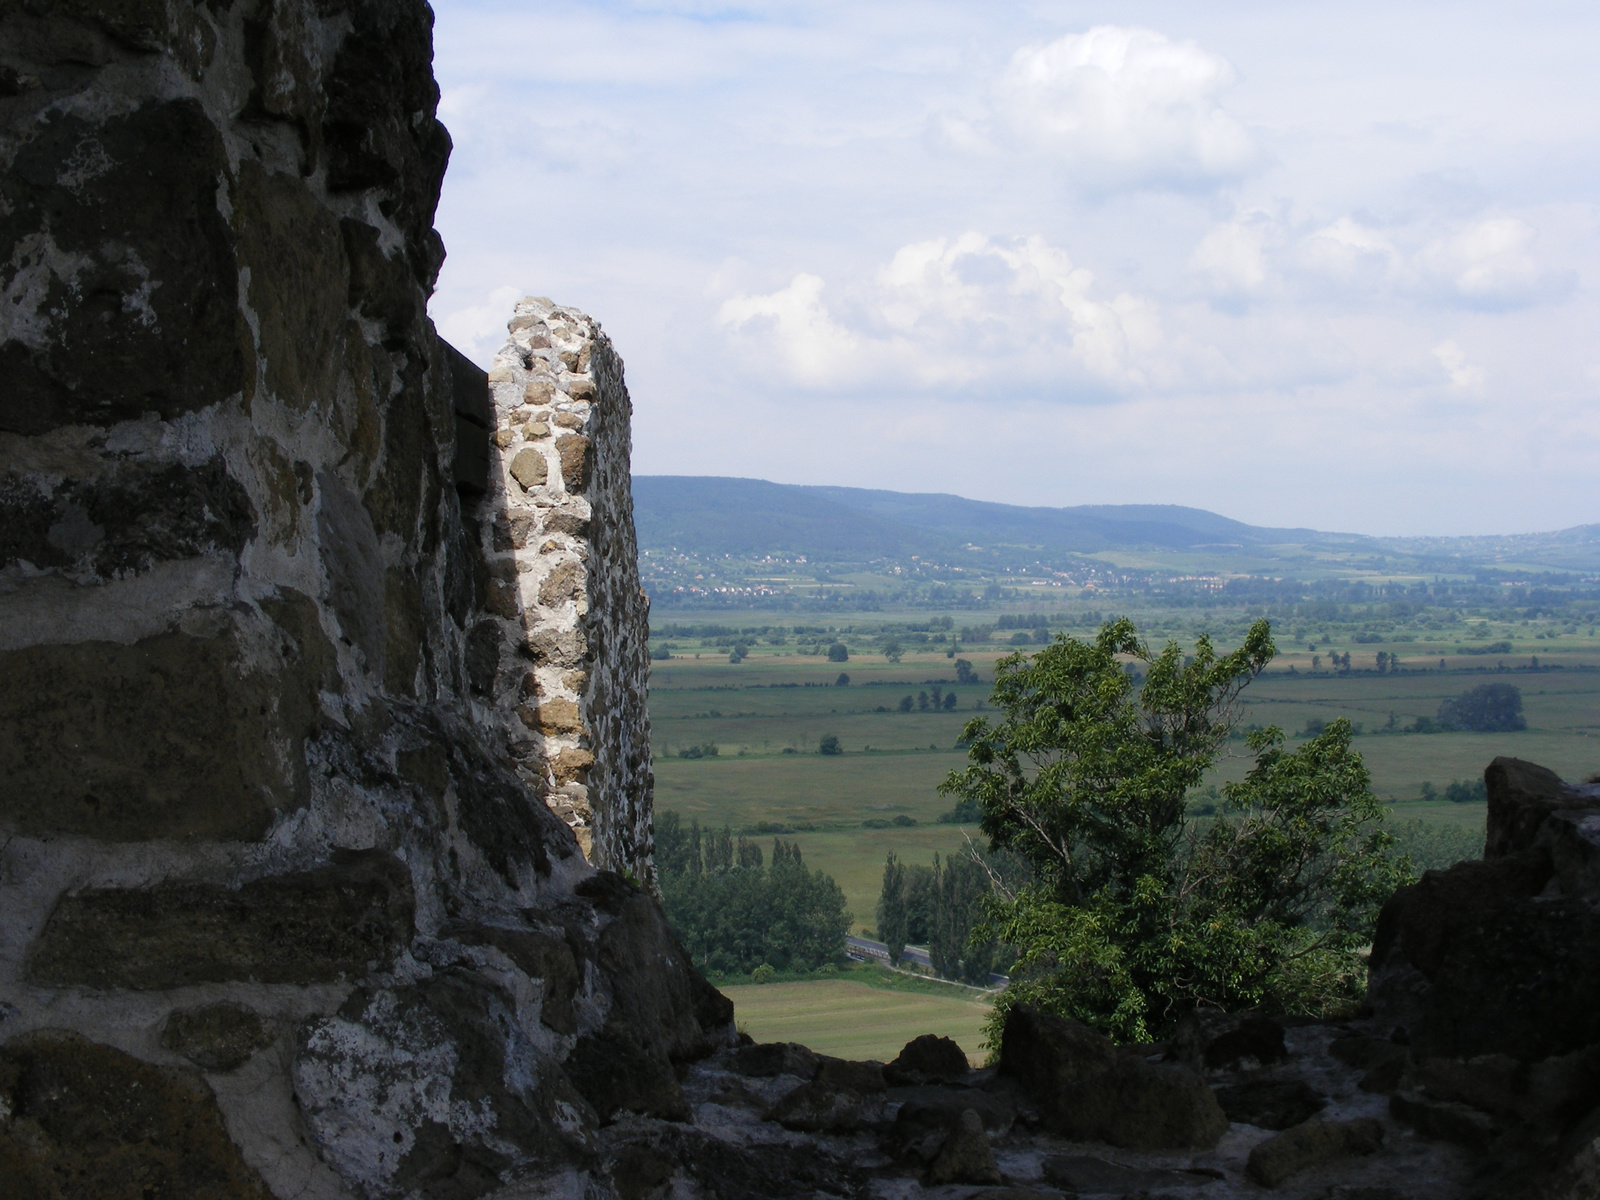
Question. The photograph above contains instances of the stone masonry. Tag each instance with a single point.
(280, 915)
(563, 665)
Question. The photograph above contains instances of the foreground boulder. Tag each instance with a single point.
(1086, 1089)
(1312, 1144)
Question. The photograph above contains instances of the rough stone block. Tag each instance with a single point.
(1087, 1090)
(312, 927)
(1309, 1145)
(574, 450)
(139, 234)
(427, 1089)
(965, 1156)
(217, 1037)
(84, 1121)
(928, 1059)
(529, 468)
(168, 737)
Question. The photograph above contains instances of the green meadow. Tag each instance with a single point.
(848, 1019)
(768, 714)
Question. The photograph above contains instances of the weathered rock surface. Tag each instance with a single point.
(1312, 1144)
(928, 1059)
(1086, 1088)
(84, 1121)
(1486, 974)
(288, 909)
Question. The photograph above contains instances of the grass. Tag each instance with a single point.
(822, 801)
(767, 715)
(850, 1019)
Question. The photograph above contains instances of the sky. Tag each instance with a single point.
(1301, 264)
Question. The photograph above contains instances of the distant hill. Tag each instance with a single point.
(714, 515)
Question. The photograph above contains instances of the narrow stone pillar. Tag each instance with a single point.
(563, 665)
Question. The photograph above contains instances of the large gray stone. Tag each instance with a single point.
(310, 927)
(434, 1089)
(172, 736)
(1087, 1090)
(85, 1121)
(112, 236)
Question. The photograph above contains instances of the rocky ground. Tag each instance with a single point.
(779, 1121)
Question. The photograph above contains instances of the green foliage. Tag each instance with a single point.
(1433, 847)
(829, 744)
(1134, 915)
(965, 812)
(1462, 791)
(702, 750)
(938, 907)
(842, 681)
(735, 914)
(1487, 708)
(763, 973)
(893, 651)
(965, 672)
(838, 652)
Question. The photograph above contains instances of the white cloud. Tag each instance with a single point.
(1491, 263)
(1127, 107)
(1233, 256)
(953, 311)
(1464, 376)
(816, 349)
(480, 330)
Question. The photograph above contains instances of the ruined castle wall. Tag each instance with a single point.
(571, 660)
(278, 911)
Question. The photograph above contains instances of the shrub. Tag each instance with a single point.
(661, 653)
(842, 681)
(838, 652)
(1134, 916)
(762, 974)
(829, 744)
(1487, 708)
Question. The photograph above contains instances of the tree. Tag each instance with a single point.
(907, 702)
(922, 701)
(892, 909)
(829, 744)
(838, 652)
(1487, 708)
(734, 914)
(964, 672)
(1133, 916)
(949, 702)
(893, 651)
(842, 681)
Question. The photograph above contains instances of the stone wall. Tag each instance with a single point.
(564, 663)
(279, 914)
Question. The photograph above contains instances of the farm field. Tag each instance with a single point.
(767, 715)
(851, 1020)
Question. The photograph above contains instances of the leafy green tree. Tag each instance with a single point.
(964, 672)
(1487, 708)
(838, 652)
(907, 702)
(842, 681)
(949, 702)
(829, 744)
(1133, 915)
(959, 888)
(893, 651)
(892, 909)
(732, 914)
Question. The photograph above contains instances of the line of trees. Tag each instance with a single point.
(938, 907)
(734, 911)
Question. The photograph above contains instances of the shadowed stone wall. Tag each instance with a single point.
(566, 664)
(279, 914)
